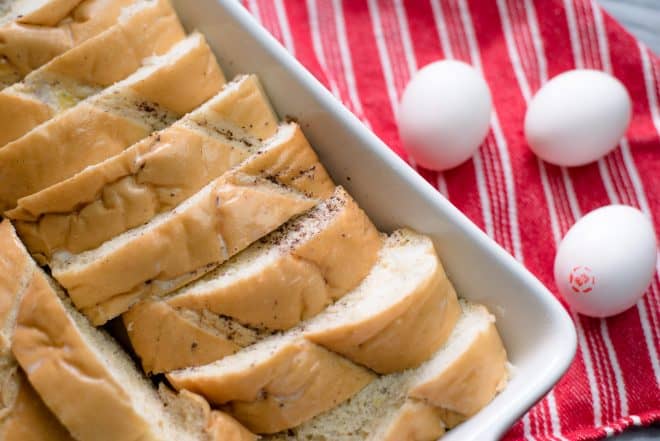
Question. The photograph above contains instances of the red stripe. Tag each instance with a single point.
(301, 33)
(368, 73)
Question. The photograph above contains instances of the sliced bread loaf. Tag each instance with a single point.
(290, 275)
(35, 31)
(393, 298)
(280, 181)
(23, 416)
(459, 380)
(109, 122)
(65, 357)
(144, 29)
(150, 177)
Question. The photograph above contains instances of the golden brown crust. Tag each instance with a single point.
(471, 381)
(414, 421)
(26, 46)
(221, 220)
(60, 365)
(83, 70)
(382, 341)
(91, 132)
(306, 276)
(164, 339)
(30, 419)
(150, 177)
(296, 382)
(222, 427)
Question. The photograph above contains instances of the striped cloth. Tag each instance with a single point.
(365, 51)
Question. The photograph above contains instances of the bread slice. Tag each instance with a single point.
(23, 416)
(282, 180)
(277, 383)
(387, 311)
(65, 357)
(290, 275)
(107, 123)
(35, 31)
(150, 177)
(459, 380)
(145, 28)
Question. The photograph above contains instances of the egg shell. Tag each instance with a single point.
(444, 114)
(577, 117)
(606, 261)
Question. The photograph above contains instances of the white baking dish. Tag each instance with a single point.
(539, 335)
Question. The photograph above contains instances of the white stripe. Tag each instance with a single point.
(637, 421)
(536, 40)
(347, 61)
(499, 137)
(483, 194)
(280, 11)
(441, 28)
(513, 52)
(588, 364)
(405, 36)
(555, 422)
(608, 431)
(607, 181)
(254, 7)
(618, 375)
(382, 52)
(527, 429)
(649, 81)
(442, 185)
(318, 46)
(572, 27)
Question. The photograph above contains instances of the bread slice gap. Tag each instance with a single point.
(282, 180)
(35, 31)
(107, 123)
(150, 177)
(395, 292)
(286, 277)
(144, 29)
(457, 381)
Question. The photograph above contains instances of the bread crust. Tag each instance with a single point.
(37, 37)
(299, 283)
(84, 70)
(218, 222)
(455, 389)
(284, 389)
(29, 419)
(99, 128)
(150, 177)
(381, 341)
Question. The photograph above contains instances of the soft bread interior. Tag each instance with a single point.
(374, 414)
(288, 276)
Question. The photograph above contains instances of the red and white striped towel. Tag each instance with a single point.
(365, 51)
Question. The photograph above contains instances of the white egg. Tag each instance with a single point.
(444, 114)
(577, 117)
(606, 261)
